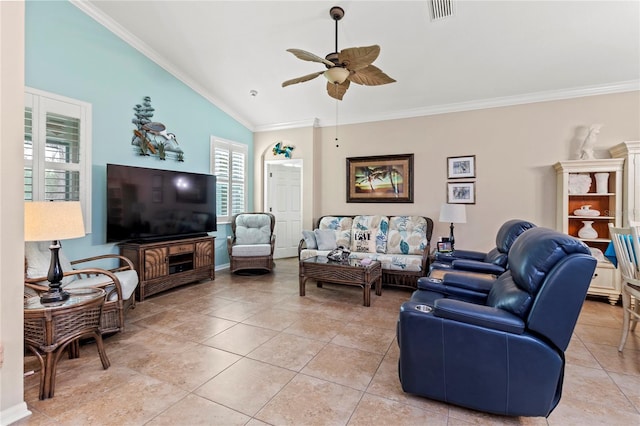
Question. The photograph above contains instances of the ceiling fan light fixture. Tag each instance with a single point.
(336, 75)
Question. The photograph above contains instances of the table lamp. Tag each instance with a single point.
(453, 213)
(53, 221)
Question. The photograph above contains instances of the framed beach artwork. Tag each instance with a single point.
(461, 167)
(380, 179)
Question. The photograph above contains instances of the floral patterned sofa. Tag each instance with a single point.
(400, 243)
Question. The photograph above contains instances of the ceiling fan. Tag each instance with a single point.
(349, 65)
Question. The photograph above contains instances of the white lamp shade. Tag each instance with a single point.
(336, 75)
(453, 213)
(52, 220)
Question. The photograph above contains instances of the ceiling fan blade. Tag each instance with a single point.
(370, 76)
(337, 91)
(302, 79)
(355, 58)
(307, 56)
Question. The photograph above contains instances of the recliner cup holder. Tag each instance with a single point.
(424, 308)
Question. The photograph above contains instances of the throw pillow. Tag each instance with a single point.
(310, 239)
(326, 239)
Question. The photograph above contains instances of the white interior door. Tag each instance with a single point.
(284, 201)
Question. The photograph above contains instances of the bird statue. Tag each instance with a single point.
(159, 129)
(586, 148)
(283, 149)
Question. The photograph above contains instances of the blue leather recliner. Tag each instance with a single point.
(504, 354)
(492, 262)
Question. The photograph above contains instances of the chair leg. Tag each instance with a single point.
(103, 354)
(636, 309)
(626, 308)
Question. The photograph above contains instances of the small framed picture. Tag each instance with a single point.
(461, 192)
(444, 246)
(461, 167)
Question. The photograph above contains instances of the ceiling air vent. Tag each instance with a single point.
(441, 9)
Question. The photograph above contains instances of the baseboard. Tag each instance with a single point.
(13, 414)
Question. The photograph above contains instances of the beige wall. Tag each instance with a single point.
(515, 149)
(12, 406)
(303, 140)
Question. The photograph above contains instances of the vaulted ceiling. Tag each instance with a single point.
(488, 53)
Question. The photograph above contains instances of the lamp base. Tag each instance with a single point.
(451, 237)
(54, 295)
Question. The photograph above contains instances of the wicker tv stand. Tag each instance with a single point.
(167, 264)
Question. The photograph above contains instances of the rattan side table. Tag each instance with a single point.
(49, 329)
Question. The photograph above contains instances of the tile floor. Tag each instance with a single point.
(248, 350)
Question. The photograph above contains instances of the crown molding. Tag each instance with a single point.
(288, 125)
(117, 29)
(546, 96)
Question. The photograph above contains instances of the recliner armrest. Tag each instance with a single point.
(481, 283)
(459, 254)
(465, 291)
(477, 266)
(480, 315)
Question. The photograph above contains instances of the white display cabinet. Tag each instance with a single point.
(605, 199)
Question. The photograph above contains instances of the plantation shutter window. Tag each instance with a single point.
(57, 148)
(229, 165)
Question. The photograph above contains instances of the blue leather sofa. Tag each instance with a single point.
(503, 354)
(493, 262)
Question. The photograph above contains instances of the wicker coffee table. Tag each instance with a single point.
(349, 272)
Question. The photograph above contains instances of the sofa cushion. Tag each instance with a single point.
(341, 226)
(325, 239)
(253, 228)
(369, 234)
(407, 235)
(394, 262)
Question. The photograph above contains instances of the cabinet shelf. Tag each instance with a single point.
(592, 217)
(595, 240)
(593, 194)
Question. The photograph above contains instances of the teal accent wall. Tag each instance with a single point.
(70, 54)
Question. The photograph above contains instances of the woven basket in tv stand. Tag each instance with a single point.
(168, 264)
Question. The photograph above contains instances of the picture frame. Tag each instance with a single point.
(444, 246)
(461, 192)
(461, 167)
(380, 179)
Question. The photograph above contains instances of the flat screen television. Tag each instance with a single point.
(145, 204)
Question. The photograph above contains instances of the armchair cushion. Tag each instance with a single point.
(253, 228)
(38, 258)
(128, 283)
(251, 250)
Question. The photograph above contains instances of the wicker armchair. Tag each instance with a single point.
(252, 241)
(119, 282)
